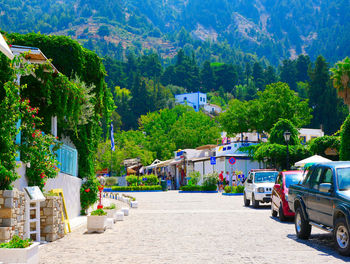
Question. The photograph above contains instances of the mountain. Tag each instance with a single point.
(223, 30)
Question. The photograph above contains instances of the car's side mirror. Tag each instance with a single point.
(325, 187)
(277, 186)
(249, 181)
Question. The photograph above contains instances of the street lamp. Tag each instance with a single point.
(287, 138)
(102, 181)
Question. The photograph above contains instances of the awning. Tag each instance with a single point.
(5, 49)
(312, 159)
(33, 55)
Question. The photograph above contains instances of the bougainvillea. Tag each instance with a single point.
(38, 149)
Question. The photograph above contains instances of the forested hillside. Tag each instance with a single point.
(215, 30)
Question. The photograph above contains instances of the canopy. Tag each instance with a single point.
(312, 159)
(4, 48)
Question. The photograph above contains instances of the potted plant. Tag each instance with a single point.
(111, 211)
(19, 251)
(97, 221)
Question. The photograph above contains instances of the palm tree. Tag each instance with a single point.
(341, 79)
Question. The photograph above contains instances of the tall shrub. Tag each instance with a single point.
(345, 140)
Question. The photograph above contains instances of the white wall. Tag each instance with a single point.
(22, 181)
(198, 166)
(71, 191)
(69, 184)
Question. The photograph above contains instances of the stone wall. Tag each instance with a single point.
(12, 210)
(51, 225)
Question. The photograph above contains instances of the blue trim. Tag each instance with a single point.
(110, 190)
(198, 192)
(232, 194)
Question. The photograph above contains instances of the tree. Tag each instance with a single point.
(302, 65)
(270, 75)
(328, 110)
(341, 79)
(207, 78)
(194, 129)
(235, 119)
(321, 144)
(258, 76)
(288, 73)
(278, 101)
(277, 133)
(345, 140)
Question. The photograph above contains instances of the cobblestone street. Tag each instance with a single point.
(171, 227)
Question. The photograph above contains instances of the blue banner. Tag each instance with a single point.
(112, 138)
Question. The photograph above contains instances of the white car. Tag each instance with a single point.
(258, 187)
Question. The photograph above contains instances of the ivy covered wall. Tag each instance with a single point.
(78, 95)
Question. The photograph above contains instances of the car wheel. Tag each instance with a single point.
(246, 201)
(255, 202)
(281, 215)
(273, 212)
(341, 237)
(302, 226)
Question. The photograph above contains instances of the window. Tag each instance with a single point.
(185, 98)
(315, 178)
(327, 176)
(200, 99)
(228, 148)
(224, 149)
(194, 107)
(343, 175)
(203, 99)
(279, 179)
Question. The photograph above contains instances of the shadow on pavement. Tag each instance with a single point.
(289, 221)
(323, 243)
(261, 207)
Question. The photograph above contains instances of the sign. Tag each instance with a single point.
(331, 152)
(232, 160)
(34, 194)
(65, 218)
(212, 160)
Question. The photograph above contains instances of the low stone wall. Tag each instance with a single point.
(12, 209)
(51, 224)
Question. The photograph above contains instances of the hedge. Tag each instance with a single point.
(137, 188)
(235, 189)
(198, 188)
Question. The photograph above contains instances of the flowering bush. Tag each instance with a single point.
(88, 193)
(37, 149)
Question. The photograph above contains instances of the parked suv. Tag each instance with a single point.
(279, 203)
(258, 186)
(323, 200)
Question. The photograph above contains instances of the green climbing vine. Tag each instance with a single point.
(78, 95)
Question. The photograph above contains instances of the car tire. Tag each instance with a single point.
(255, 202)
(302, 226)
(246, 201)
(281, 215)
(273, 212)
(341, 237)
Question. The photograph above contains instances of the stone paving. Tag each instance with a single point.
(193, 228)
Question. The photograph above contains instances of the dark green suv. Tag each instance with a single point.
(322, 200)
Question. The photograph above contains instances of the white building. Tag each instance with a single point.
(212, 109)
(195, 100)
(306, 134)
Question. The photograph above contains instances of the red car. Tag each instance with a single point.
(279, 197)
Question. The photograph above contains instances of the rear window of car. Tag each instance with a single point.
(343, 175)
(266, 176)
(293, 179)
